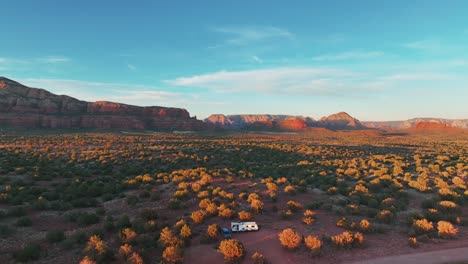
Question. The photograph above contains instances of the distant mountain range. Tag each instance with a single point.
(337, 121)
(25, 107)
(398, 125)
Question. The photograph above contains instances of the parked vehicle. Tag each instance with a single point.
(243, 226)
(226, 232)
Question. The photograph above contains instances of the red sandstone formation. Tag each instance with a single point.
(25, 107)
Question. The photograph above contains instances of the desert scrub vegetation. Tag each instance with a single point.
(289, 238)
(133, 190)
(232, 250)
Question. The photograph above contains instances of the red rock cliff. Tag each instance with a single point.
(21, 106)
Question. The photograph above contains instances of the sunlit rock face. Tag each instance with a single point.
(22, 106)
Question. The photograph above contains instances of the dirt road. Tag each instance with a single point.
(454, 255)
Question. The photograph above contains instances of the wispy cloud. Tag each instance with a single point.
(351, 55)
(131, 67)
(243, 35)
(309, 81)
(256, 59)
(35, 60)
(418, 77)
(53, 59)
(424, 45)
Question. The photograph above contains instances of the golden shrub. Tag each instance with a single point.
(293, 205)
(313, 243)
(258, 258)
(446, 229)
(309, 213)
(212, 231)
(289, 238)
(231, 249)
(198, 216)
(413, 242)
(173, 254)
(167, 238)
(127, 235)
(256, 205)
(358, 239)
(308, 220)
(87, 260)
(125, 251)
(344, 239)
(135, 258)
(226, 213)
(245, 216)
(185, 232)
(422, 226)
(365, 225)
(447, 204)
(96, 245)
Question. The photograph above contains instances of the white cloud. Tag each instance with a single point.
(305, 81)
(131, 67)
(350, 55)
(35, 60)
(424, 45)
(247, 34)
(53, 59)
(418, 77)
(256, 59)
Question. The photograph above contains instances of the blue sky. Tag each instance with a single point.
(377, 60)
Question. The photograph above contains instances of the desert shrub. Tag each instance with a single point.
(232, 250)
(167, 238)
(135, 258)
(24, 221)
(313, 243)
(55, 236)
(422, 226)
(365, 226)
(97, 250)
(29, 252)
(212, 231)
(123, 222)
(294, 206)
(173, 254)
(185, 232)
(245, 216)
(413, 242)
(256, 205)
(446, 229)
(16, 211)
(174, 204)
(85, 219)
(348, 240)
(5, 231)
(385, 216)
(87, 260)
(127, 235)
(258, 258)
(149, 214)
(226, 213)
(131, 200)
(198, 216)
(289, 238)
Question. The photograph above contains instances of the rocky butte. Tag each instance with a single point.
(25, 107)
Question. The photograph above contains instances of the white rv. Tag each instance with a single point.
(243, 226)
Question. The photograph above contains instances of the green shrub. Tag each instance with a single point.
(55, 236)
(29, 252)
(24, 221)
(5, 231)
